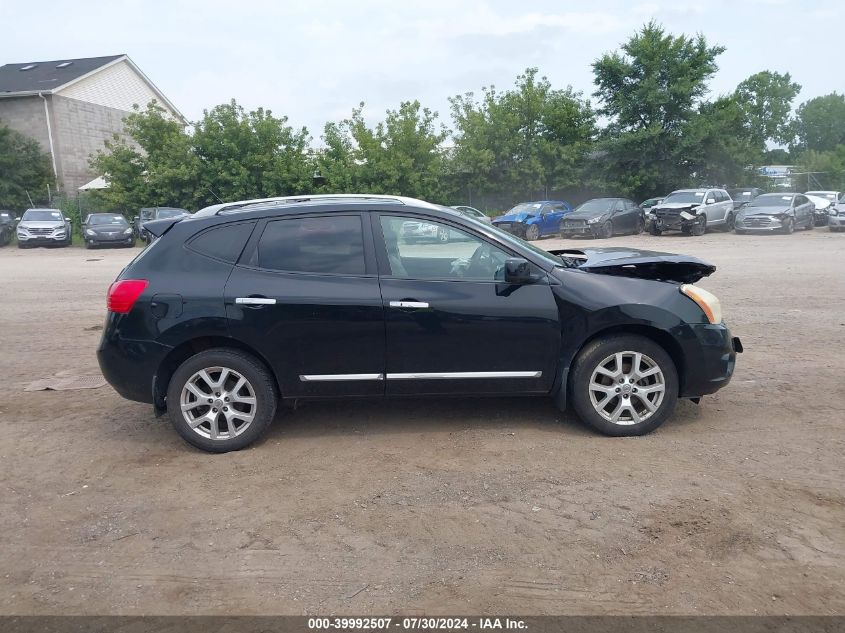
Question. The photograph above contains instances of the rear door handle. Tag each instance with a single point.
(255, 301)
(408, 304)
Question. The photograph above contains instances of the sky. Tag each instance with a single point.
(313, 61)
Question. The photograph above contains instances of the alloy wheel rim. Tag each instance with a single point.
(627, 388)
(218, 403)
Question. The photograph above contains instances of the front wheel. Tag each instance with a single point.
(606, 230)
(532, 233)
(221, 400)
(699, 227)
(729, 222)
(654, 230)
(624, 385)
(788, 226)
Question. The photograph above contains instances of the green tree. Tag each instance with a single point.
(766, 101)
(820, 123)
(231, 154)
(24, 167)
(716, 146)
(529, 138)
(402, 155)
(826, 167)
(649, 92)
(244, 155)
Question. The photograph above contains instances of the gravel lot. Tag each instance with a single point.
(440, 506)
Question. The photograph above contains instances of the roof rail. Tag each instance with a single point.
(242, 205)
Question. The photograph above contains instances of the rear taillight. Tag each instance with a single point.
(124, 293)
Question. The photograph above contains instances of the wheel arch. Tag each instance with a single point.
(186, 349)
(657, 335)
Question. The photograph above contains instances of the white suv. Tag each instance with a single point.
(692, 211)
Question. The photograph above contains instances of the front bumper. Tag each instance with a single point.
(514, 228)
(42, 239)
(836, 221)
(579, 229)
(821, 218)
(673, 222)
(710, 359)
(765, 225)
(118, 239)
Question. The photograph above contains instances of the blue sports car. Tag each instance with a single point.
(533, 220)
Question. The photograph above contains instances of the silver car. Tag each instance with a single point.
(836, 216)
(472, 212)
(42, 227)
(692, 211)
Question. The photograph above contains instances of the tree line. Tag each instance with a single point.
(650, 127)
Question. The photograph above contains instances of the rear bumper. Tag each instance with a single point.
(711, 359)
(130, 366)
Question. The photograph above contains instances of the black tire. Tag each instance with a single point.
(789, 226)
(809, 226)
(730, 221)
(88, 245)
(589, 359)
(640, 227)
(259, 378)
(699, 227)
(606, 230)
(654, 230)
(532, 233)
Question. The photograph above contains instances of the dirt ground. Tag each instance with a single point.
(735, 506)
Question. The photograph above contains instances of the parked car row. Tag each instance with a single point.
(49, 227)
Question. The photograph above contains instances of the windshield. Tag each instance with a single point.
(830, 195)
(740, 193)
(684, 196)
(531, 208)
(599, 205)
(169, 213)
(43, 215)
(114, 219)
(772, 200)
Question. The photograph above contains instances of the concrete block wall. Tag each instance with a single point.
(80, 129)
(26, 115)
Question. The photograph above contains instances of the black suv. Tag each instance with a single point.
(242, 304)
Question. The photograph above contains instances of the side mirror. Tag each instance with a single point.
(517, 270)
(67, 219)
(710, 201)
(17, 220)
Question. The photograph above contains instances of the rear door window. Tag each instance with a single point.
(324, 244)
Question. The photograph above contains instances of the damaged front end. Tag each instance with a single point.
(640, 264)
(672, 217)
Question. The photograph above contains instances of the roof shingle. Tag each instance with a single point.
(47, 76)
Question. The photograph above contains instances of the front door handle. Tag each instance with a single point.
(255, 301)
(409, 304)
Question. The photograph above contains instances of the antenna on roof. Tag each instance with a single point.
(31, 203)
(215, 195)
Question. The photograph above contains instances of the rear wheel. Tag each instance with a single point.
(532, 233)
(221, 400)
(640, 226)
(624, 385)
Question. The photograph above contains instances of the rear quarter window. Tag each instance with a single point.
(223, 242)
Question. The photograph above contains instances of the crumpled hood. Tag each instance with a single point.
(41, 224)
(629, 262)
(765, 211)
(514, 217)
(676, 206)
